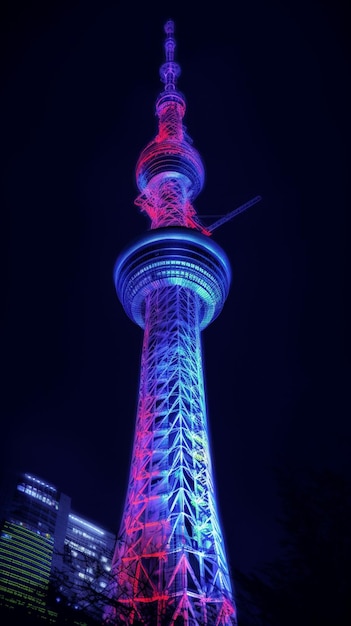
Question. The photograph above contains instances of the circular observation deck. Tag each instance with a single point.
(173, 256)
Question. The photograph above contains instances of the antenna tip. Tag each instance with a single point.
(169, 27)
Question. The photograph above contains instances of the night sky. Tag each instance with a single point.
(266, 85)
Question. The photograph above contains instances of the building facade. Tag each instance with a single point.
(46, 546)
(88, 552)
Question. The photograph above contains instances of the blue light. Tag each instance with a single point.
(173, 256)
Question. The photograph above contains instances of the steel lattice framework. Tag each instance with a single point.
(170, 565)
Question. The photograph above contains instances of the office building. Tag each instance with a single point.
(45, 546)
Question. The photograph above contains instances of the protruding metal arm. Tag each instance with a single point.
(232, 214)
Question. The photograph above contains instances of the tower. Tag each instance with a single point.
(170, 565)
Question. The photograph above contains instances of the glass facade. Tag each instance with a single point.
(45, 546)
(88, 552)
(25, 565)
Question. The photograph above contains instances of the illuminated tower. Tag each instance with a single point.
(170, 565)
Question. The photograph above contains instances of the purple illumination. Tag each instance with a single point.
(170, 565)
(169, 172)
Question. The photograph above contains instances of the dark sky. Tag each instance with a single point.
(266, 84)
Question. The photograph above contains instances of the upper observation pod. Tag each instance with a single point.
(169, 171)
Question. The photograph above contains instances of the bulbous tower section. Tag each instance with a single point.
(169, 171)
(170, 566)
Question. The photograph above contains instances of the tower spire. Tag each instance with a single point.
(170, 70)
(169, 172)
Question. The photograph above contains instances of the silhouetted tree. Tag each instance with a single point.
(310, 584)
(88, 600)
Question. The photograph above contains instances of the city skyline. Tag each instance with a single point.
(267, 111)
